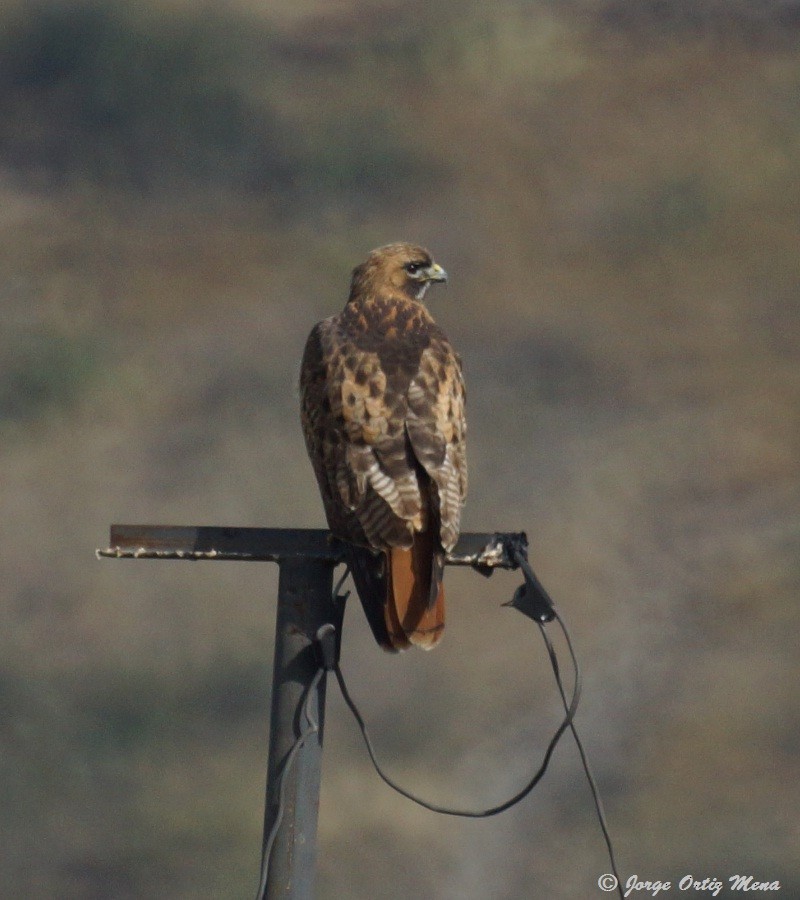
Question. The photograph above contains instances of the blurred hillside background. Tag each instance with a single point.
(614, 188)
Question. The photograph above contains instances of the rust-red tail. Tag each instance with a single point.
(401, 592)
(414, 611)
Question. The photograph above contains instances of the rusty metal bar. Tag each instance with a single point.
(213, 543)
(484, 551)
(307, 558)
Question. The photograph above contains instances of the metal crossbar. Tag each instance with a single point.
(306, 559)
(204, 542)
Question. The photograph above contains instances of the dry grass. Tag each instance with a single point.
(616, 199)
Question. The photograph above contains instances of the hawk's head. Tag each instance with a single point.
(402, 268)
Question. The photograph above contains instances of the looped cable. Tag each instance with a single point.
(533, 601)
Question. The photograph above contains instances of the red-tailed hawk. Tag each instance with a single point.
(383, 418)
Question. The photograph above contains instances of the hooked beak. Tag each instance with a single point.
(435, 273)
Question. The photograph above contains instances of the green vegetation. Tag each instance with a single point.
(43, 370)
(101, 92)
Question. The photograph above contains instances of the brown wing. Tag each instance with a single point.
(387, 443)
(326, 444)
(437, 429)
(354, 429)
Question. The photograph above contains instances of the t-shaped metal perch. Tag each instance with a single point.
(306, 558)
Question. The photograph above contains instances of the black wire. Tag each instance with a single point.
(313, 727)
(493, 810)
(570, 709)
(598, 803)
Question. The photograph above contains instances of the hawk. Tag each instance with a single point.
(382, 396)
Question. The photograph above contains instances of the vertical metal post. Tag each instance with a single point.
(305, 603)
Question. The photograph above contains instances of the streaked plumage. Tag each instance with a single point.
(383, 418)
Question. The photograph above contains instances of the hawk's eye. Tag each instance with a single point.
(412, 268)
